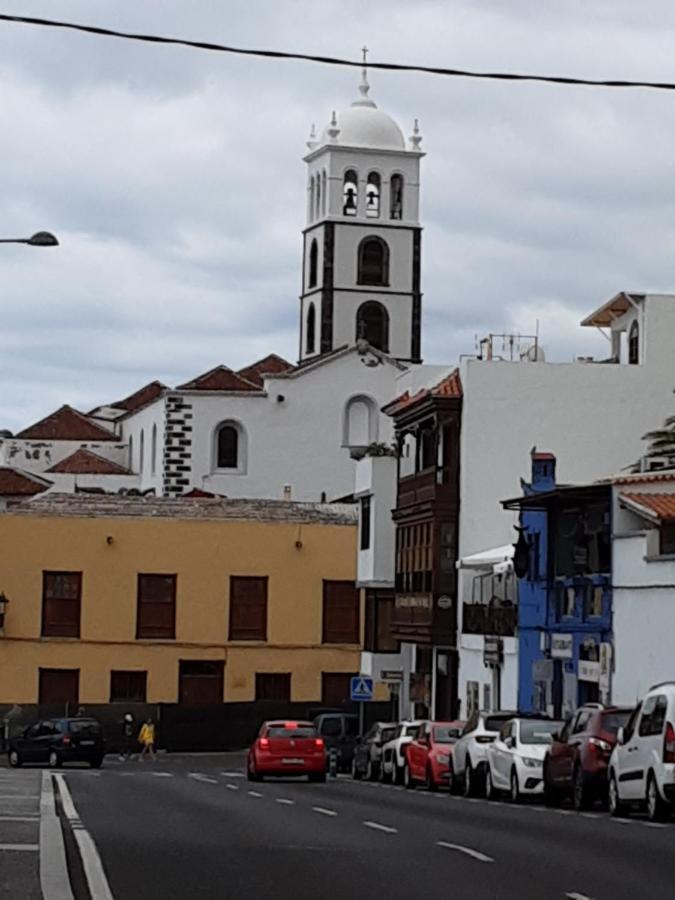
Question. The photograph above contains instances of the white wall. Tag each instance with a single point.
(472, 669)
(110, 483)
(376, 478)
(372, 664)
(39, 455)
(131, 427)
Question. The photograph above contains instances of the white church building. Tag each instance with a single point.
(274, 429)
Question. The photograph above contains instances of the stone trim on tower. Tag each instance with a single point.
(416, 336)
(177, 446)
(326, 344)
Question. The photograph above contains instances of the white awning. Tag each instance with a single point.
(488, 559)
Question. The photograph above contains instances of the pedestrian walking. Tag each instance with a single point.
(147, 739)
(127, 737)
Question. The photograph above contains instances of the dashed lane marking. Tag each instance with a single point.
(254, 794)
(13, 848)
(467, 851)
(283, 800)
(198, 776)
(19, 818)
(377, 826)
(323, 811)
(232, 787)
(654, 824)
(573, 895)
(162, 774)
(590, 815)
(19, 796)
(233, 774)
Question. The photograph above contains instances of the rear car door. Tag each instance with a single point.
(571, 749)
(624, 759)
(555, 765)
(28, 745)
(645, 749)
(417, 754)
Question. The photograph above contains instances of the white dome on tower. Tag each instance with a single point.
(364, 125)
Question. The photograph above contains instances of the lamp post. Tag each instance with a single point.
(39, 239)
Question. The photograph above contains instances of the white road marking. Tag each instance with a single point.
(19, 796)
(623, 821)
(91, 861)
(563, 812)
(472, 800)
(19, 818)
(590, 815)
(283, 800)
(11, 848)
(198, 776)
(468, 851)
(232, 787)
(378, 827)
(162, 774)
(324, 811)
(574, 896)
(655, 824)
(54, 878)
(233, 774)
(254, 794)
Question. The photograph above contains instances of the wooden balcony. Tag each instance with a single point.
(417, 489)
(413, 610)
(479, 618)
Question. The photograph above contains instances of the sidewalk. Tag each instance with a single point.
(20, 834)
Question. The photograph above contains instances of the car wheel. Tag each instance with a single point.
(580, 793)
(454, 783)
(54, 760)
(356, 774)
(551, 795)
(14, 759)
(616, 806)
(408, 780)
(96, 763)
(657, 809)
(399, 774)
(469, 780)
(515, 787)
(251, 773)
(490, 791)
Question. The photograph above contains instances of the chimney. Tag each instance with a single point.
(543, 471)
(288, 492)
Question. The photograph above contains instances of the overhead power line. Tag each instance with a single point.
(337, 61)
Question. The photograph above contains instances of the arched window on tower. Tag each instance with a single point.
(230, 447)
(318, 196)
(131, 453)
(396, 197)
(153, 453)
(141, 452)
(313, 264)
(372, 325)
(634, 344)
(310, 329)
(311, 199)
(373, 196)
(373, 262)
(324, 192)
(350, 193)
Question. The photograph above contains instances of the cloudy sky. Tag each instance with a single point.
(174, 179)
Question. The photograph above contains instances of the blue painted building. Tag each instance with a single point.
(563, 563)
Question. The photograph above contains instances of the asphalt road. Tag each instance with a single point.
(195, 828)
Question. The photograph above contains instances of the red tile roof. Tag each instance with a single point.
(141, 397)
(66, 424)
(15, 483)
(270, 365)
(84, 462)
(543, 456)
(450, 386)
(652, 506)
(644, 477)
(200, 494)
(219, 379)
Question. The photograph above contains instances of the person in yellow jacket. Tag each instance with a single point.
(146, 738)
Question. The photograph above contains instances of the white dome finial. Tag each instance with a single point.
(333, 130)
(312, 142)
(364, 87)
(416, 137)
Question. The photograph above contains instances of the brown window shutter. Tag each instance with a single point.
(61, 604)
(340, 613)
(248, 608)
(156, 616)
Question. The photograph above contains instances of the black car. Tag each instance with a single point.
(368, 751)
(56, 741)
(340, 733)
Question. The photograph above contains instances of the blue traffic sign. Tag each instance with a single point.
(361, 689)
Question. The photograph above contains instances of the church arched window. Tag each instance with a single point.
(153, 450)
(131, 453)
(373, 196)
(396, 197)
(373, 262)
(372, 325)
(311, 199)
(634, 344)
(324, 192)
(360, 425)
(310, 341)
(230, 447)
(318, 196)
(313, 264)
(350, 193)
(141, 452)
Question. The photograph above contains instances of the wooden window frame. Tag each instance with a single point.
(329, 637)
(117, 696)
(58, 629)
(141, 631)
(235, 631)
(260, 678)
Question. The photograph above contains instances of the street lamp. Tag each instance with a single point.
(39, 239)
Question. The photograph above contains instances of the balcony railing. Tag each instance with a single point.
(479, 618)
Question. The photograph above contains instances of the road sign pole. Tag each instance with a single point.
(362, 711)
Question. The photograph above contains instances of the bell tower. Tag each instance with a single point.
(363, 240)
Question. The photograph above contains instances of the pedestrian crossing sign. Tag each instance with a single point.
(361, 689)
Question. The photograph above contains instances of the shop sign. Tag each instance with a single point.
(562, 646)
(493, 651)
(605, 666)
(588, 670)
(542, 670)
(444, 602)
(414, 601)
(391, 675)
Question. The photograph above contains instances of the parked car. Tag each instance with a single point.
(367, 759)
(393, 753)
(470, 752)
(340, 732)
(578, 759)
(515, 759)
(287, 748)
(58, 741)
(642, 764)
(428, 757)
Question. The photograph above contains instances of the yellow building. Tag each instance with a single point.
(189, 601)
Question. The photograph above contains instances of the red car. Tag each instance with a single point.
(576, 764)
(429, 755)
(287, 748)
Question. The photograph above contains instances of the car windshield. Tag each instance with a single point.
(388, 734)
(411, 730)
(84, 726)
(298, 731)
(446, 734)
(611, 722)
(494, 723)
(537, 732)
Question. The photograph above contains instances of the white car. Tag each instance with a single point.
(642, 764)
(515, 759)
(393, 753)
(470, 753)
